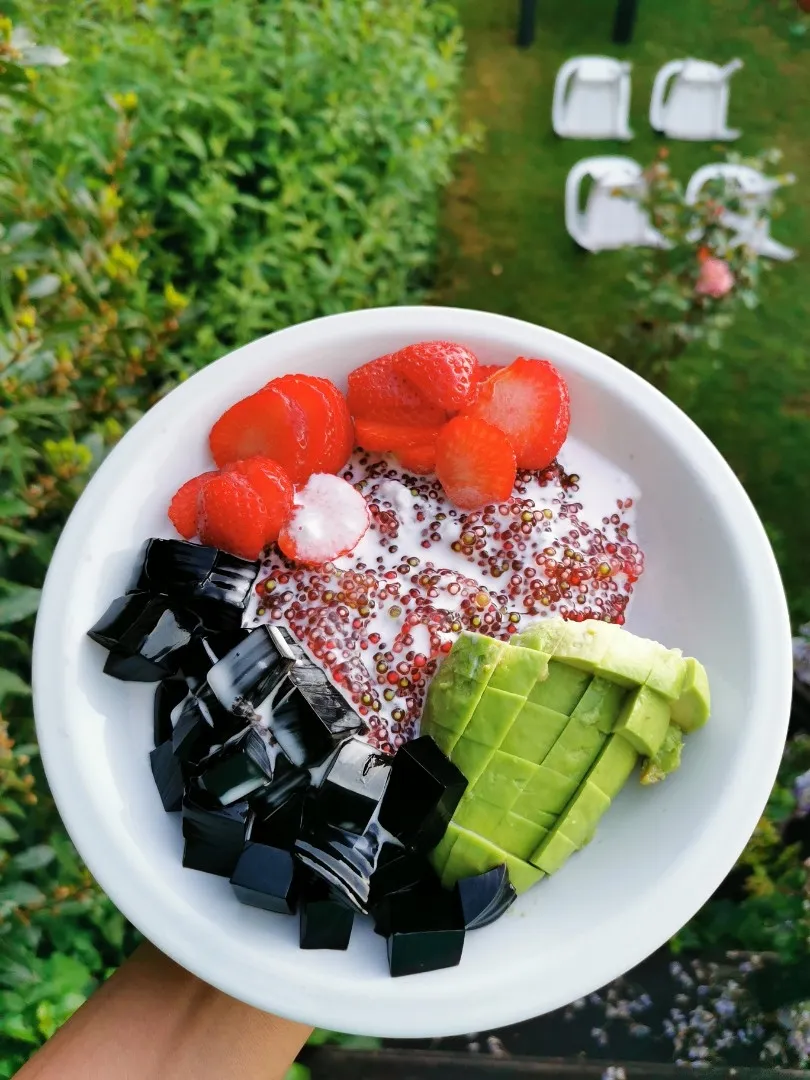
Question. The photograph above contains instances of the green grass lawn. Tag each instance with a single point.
(504, 246)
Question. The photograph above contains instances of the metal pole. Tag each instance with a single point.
(625, 21)
(526, 23)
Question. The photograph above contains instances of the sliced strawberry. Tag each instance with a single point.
(475, 463)
(272, 484)
(342, 443)
(383, 435)
(485, 370)
(317, 409)
(268, 424)
(330, 430)
(441, 370)
(529, 402)
(328, 520)
(232, 515)
(183, 507)
(419, 460)
(377, 390)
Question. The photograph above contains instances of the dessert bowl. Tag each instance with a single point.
(710, 586)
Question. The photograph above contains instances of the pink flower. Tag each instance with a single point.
(715, 278)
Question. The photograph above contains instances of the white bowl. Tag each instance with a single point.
(711, 587)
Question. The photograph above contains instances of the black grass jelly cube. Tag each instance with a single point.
(200, 723)
(118, 620)
(422, 795)
(426, 886)
(353, 786)
(342, 860)
(175, 567)
(282, 825)
(222, 598)
(298, 729)
(168, 695)
(146, 639)
(485, 897)
(237, 769)
(214, 583)
(396, 868)
(168, 774)
(265, 877)
(251, 671)
(332, 710)
(214, 836)
(205, 650)
(288, 780)
(326, 923)
(426, 932)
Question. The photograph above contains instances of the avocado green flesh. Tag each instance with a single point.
(667, 759)
(691, 710)
(547, 730)
(644, 720)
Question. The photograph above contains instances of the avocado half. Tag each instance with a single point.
(547, 730)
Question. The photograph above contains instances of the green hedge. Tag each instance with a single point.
(195, 176)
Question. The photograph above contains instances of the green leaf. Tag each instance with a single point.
(11, 684)
(12, 508)
(34, 858)
(194, 142)
(43, 286)
(297, 1071)
(7, 831)
(20, 602)
(14, 536)
(17, 1027)
(20, 894)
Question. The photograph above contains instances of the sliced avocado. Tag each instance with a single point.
(629, 659)
(518, 670)
(668, 758)
(521, 873)
(478, 815)
(471, 854)
(613, 767)
(542, 637)
(548, 791)
(563, 688)
(554, 850)
(444, 739)
(667, 674)
(471, 757)
(582, 645)
(692, 708)
(576, 750)
(576, 824)
(459, 683)
(518, 835)
(441, 853)
(644, 720)
(504, 779)
(534, 732)
(493, 716)
(600, 704)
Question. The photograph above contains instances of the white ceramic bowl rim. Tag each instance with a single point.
(511, 991)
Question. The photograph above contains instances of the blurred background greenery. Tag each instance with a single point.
(198, 174)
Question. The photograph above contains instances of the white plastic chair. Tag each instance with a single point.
(751, 226)
(612, 218)
(690, 100)
(592, 99)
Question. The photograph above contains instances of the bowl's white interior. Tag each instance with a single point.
(710, 587)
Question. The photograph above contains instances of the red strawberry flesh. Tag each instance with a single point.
(528, 401)
(475, 463)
